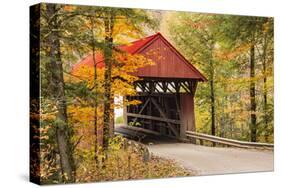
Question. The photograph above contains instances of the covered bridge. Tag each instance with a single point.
(166, 89)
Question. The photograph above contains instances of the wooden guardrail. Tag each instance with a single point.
(226, 141)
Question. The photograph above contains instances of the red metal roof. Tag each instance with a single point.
(136, 45)
(89, 61)
(182, 68)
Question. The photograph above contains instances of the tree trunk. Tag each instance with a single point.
(56, 84)
(212, 95)
(213, 126)
(108, 23)
(95, 87)
(95, 132)
(265, 116)
(253, 125)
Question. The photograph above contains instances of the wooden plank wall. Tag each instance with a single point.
(168, 64)
(187, 115)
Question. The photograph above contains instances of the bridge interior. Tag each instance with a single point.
(166, 107)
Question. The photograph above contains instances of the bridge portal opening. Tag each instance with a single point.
(166, 108)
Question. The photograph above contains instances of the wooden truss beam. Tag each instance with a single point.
(164, 116)
(154, 118)
(159, 86)
(141, 110)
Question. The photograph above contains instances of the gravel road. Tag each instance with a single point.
(203, 160)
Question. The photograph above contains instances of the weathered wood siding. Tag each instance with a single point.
(168, 62)
(187, 116)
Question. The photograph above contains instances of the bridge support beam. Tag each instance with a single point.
(187, 116)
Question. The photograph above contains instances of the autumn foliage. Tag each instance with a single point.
(69, 121)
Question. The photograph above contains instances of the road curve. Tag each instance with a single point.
(203, 160)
